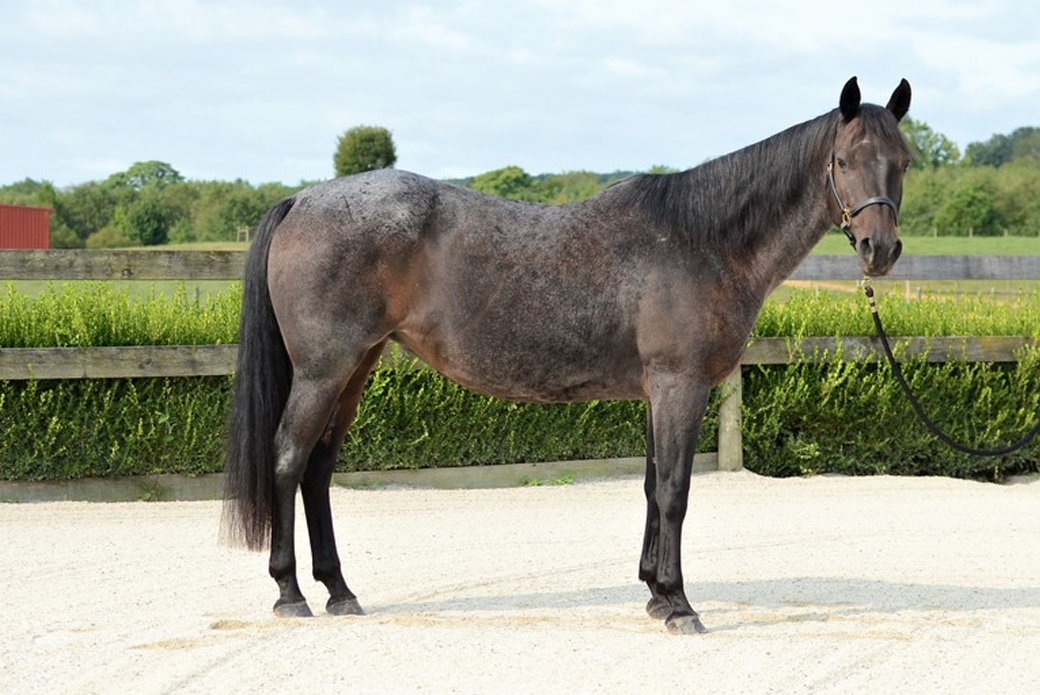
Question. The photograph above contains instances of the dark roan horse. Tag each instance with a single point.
(648, 290)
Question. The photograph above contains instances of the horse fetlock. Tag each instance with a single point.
(659, 608)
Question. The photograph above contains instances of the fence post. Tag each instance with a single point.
(731, 448)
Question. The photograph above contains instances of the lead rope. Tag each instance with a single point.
(932, 427)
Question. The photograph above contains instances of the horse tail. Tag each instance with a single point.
(263, 376)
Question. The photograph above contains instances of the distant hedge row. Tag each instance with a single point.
(804, 418)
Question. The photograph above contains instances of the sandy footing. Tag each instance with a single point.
(821, 585)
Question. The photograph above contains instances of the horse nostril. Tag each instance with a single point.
(866, 248)
(898, 250)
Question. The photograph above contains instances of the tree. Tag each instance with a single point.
(85, 209)
(1025, 143)
(114, 234)
(968, 211)
(28, 192)
(143, 174)
(992, 152)
(223, 207)
(507, 182)
(569, 187)
(928, 148)
(364, 148)
(148, 220)
(1000, 149)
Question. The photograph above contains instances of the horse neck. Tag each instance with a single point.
(783, 249)
(757, 212)
(797, 214)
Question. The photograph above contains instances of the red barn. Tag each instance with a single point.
(24, 227)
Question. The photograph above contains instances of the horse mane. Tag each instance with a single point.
(730, 202)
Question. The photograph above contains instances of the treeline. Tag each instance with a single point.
(149, 204)
(992, 190)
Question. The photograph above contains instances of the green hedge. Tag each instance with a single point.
(88, 314)
(800, 419)
(55, 430)
(852, 418)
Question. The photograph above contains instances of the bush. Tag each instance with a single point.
(89, 314)
(805, 418)
(110, 237)
(852, 418)
(55, 430)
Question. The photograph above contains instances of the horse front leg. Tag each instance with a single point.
(658, 607)
(677, 404)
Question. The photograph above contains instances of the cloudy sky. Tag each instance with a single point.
(225, 89)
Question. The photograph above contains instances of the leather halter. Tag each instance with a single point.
(847, 213)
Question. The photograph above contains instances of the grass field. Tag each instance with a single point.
(200, 290)
(999, 290)
(836, 243)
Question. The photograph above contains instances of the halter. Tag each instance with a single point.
(848, 213)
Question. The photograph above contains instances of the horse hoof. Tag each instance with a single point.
(659, 608)
(300, 609)
(348, 606)
(685, 625)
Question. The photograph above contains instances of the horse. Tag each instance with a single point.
(648, 290)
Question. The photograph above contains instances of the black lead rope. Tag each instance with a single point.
(932, 427)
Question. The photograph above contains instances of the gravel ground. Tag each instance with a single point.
(819, 585)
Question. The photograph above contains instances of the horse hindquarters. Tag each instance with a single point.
(285, 429)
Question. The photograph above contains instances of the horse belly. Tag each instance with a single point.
(535, 368)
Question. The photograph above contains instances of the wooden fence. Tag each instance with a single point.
(208, 360)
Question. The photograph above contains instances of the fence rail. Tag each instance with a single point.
(229, 265)
(210, 360)
(121, 265)
(131, 362)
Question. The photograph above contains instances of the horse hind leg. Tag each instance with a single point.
(307, 414)
(315, 488)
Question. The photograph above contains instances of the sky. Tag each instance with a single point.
(228, 89)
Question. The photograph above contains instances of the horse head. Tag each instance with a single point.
(865, 172)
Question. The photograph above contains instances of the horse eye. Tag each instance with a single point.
(841, 163)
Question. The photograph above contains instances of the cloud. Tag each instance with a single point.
(625, 67)
(102, 167)
(420, 23)
(985, 69)
(186, 19)
(260, 90)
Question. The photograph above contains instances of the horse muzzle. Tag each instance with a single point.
(878, 253)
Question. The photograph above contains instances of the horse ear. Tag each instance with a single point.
(849, 102)
(899, 104)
